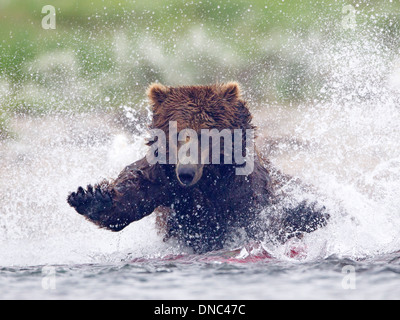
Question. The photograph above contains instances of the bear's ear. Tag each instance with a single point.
(230, 91)
(157, 93)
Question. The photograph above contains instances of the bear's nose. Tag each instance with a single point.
(186, 174)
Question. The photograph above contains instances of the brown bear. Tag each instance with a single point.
(205, 204)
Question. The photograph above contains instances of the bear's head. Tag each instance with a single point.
(192, 116)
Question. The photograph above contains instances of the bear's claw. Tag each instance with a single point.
(90, 202)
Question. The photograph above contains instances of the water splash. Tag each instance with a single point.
(346, 143)
(343, 137)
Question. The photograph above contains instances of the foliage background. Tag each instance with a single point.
(103, 54)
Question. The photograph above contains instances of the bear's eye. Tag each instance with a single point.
(180, 142)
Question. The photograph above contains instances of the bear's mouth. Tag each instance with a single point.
(186, 179)
(188, 174)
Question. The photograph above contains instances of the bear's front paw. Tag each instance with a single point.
(91, 202)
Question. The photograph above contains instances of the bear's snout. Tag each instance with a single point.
(188, 174)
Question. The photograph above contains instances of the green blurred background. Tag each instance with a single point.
(103, 54)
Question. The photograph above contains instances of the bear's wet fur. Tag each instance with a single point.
(220, 204)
